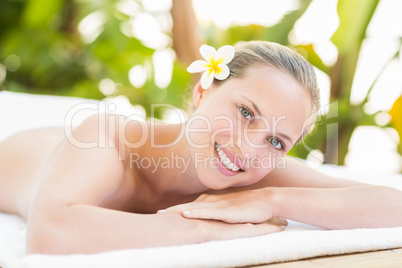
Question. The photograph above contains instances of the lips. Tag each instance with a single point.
(228, 160)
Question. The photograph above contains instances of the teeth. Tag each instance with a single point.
(225, 160)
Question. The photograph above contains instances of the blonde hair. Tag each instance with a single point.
(281, 58)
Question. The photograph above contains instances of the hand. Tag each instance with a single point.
(251, 206)
(201, 230)
(218, 230)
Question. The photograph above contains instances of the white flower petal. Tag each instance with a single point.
(207, 52)
(226, 52)
(207, 78)
(224, 73)
(197, 66)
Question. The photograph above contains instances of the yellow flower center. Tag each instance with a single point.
(213, 64)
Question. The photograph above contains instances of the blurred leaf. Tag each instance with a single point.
(279, 32)
(84, 89)
(309, 53)
(354, 16)
(10, 11)
(41, 14)
(236, 34)
(311, 141)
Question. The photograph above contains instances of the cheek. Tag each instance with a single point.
(198, 132)
(225, 131)
(254, 177)
(260, 167)
(266, 160)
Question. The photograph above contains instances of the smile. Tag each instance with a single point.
(226, 162)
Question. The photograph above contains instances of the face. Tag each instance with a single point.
(243, 128)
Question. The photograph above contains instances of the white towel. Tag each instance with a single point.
(297, 242)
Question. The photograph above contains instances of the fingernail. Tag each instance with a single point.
(186, 212)
(161, 211)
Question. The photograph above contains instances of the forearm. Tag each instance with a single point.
(89, 229)
(339, 208)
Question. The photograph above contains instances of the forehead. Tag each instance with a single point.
(276, 94)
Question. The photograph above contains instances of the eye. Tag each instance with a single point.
(276, 143)
(246, 112)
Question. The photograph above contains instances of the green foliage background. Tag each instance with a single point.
(55, 60)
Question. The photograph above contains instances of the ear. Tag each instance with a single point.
(198, 94)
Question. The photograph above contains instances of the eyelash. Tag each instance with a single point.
(251, 114)
(280, 142)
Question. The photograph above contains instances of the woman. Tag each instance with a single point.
(116, 183)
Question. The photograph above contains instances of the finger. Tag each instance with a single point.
(278, 221)
(186, 206)
(266, 228)
(177, 208)
(250, 229)
(229, 215)
(161, 211)
(209, 213)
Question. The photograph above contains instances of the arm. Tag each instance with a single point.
(299, 174)
(338, 208)
(65, 216)
(331, 208)
(91, 229)
(303, 194)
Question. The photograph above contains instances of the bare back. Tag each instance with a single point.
(27, 158)
(23, 158)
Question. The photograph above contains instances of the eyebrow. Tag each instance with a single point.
(254, 105)
(283, 136)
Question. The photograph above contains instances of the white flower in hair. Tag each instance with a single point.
(214, 65)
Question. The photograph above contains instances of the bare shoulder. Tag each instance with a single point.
(296, 173)
(86, 168)
(112, 131)
(132, 132)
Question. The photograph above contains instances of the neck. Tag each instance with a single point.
(167, 165)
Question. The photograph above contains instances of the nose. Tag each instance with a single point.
(260, 159)
(255, 139)
(256, 151)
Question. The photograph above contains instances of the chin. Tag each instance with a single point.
(252, 180)
(214, 182)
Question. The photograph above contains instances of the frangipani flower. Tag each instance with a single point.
(214, 65)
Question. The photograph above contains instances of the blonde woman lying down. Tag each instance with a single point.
(115, 183)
